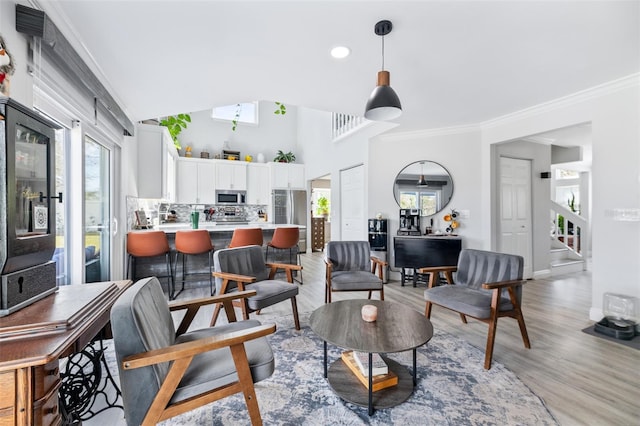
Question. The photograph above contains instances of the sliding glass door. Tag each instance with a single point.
(97, 211)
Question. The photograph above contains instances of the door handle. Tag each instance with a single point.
(115, 226)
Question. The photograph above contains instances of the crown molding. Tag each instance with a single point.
(607, 88)
(566, 101)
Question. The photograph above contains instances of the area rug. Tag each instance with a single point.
(453, 389)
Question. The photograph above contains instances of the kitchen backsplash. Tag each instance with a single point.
(158, 212)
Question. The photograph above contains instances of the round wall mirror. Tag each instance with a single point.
(423, 185)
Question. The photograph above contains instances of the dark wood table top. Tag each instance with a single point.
(56, 324)
(398, 328)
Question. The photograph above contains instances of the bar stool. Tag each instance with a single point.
(141, 244)
(286, 238)
(193, 242)
(246, 237)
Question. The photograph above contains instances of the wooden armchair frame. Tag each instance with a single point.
(496, 288)
(181, 355)
(242, 280)
(376, 265)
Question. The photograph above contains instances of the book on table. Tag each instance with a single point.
(379, 382)
(362, 359)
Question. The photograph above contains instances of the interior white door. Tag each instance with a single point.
(515, 210)
(352, 204)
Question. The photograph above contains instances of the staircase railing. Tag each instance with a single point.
(569, 229)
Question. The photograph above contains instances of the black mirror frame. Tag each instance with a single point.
(395, 182)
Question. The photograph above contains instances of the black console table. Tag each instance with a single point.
(413, 252)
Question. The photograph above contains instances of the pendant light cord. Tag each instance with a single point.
(382, 53)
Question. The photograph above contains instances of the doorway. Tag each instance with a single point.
(352, 202)
(97, 208)
(515, 210)
(320, 212)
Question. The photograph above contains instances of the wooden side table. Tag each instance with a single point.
(33, 339)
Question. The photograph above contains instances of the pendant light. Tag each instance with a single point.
(383, 104)
(421, 179)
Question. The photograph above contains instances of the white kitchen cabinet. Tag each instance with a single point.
(196, 181)
(287, 176)
(231, 175)
(156, 162)
(258, 187)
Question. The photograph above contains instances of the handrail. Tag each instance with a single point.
(569, 229)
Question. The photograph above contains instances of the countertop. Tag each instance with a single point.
(216, 227)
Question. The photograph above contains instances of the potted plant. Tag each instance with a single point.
(282, 157)
(323, 206)
(175, 124)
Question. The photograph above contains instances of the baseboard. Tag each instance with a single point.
(543, 273)
(595, 314)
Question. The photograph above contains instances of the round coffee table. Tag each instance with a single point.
(398, 328)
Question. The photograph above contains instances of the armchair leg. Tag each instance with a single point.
(216, 312)
(493, 324)
(523, 329)
(294, 308)
(463, 318)
(369, 297)
(246, 382)
(427, 310)
(382, 293)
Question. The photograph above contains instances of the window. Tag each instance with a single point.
(246, 112)
(429, 201)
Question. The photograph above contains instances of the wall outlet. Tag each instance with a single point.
(464, 214)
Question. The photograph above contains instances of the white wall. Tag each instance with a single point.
(327, 157)
(459, 153)
(21, 81)
(273, 133)
(614, 112)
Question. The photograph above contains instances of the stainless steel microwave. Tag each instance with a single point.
(230, 197)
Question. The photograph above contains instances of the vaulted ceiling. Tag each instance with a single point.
(452, 63)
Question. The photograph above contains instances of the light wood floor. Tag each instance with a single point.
(584, 380)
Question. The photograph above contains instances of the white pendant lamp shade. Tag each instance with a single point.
(383, 104)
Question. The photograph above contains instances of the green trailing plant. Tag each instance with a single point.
(572, 203)
(282, 157)
(281, 109)
(176, 124)
(236, 117)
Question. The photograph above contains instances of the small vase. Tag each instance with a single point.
(260, 158)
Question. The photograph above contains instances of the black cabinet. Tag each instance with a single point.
(413, 252)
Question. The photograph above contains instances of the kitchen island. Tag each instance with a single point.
(220, 238)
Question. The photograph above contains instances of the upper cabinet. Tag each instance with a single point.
(231, 175)
(156, 162)
(258, 188)
(196, 181)
(287, 176)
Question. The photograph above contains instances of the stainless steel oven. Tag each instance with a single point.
(231, 197)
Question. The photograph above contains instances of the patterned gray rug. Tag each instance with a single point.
(453, 389)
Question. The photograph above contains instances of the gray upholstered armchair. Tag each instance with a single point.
(244, 268)
(165, 372)
(488, 285)
(350, 267)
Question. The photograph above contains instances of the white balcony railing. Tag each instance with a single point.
(344, 124)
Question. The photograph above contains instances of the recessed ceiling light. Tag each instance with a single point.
(340, 52)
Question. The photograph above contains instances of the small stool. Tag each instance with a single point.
(149, 244)
(193, 242)
(286, 238)
(246, 237)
